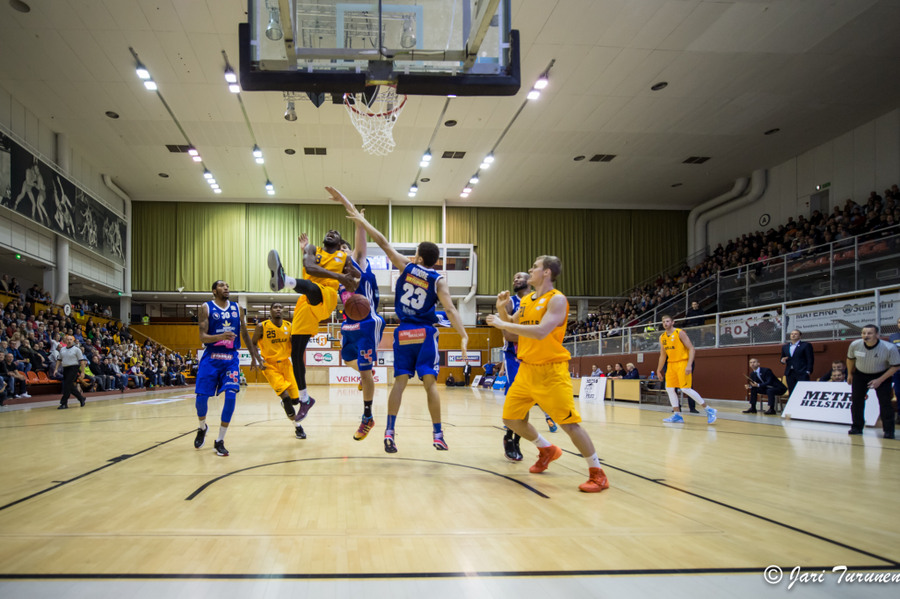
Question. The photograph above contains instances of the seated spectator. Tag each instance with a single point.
(595, 370)
(618, 372)
(121, 378)
(95, 369)
(631, 372)
(837, 374)
(3, 389)
(15, 378)
(136, 376)
(763, 380)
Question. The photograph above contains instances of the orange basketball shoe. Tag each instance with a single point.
(596, 483)
(545, 456)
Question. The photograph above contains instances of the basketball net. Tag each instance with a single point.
(375, 121)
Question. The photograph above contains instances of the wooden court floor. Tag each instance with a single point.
(117, 490)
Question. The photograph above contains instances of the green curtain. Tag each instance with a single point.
(462, 224)
(272, 226)
(154, 247)
(212, 245)
(415, 224)
(603, 252)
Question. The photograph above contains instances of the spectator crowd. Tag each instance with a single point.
(793, 240)
(30, 339)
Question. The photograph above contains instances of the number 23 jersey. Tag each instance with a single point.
(416, 294)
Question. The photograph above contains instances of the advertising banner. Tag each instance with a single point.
(827, 402)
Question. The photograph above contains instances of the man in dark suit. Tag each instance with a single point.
(797, 357)
(763, 380)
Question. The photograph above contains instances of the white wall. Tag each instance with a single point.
(20, 235)
(856, 163)
(26, 129)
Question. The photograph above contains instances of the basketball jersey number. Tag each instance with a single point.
(413, 296)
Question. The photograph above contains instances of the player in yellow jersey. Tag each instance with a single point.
(543, 373)
(324, 270)
(677, 355)
(273, 339)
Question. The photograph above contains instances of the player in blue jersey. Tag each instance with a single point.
(222, 326)
(511, 362)
(360, 338)
(418, 289)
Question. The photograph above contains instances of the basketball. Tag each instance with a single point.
(356, 307)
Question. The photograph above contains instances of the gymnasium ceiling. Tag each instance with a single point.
(813, 69)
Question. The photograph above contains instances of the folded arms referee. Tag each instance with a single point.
(871, 363)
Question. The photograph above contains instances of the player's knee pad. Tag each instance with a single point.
(228, 408)
(202, 403)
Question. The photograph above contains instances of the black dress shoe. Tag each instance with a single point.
(62, 406)
(750, 411)
(695, 411)
(888, 435)
(770, 412)
(854, 431)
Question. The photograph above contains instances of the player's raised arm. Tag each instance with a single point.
(397, 259)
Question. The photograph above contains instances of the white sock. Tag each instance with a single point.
(542, 442)
(593, 461)
(304, 396)
(203, 426)
(290, 282)
(222, 431)
(296, 424)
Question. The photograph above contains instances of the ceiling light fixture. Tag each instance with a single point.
(413, 190)
(207, 174)
(230, 75)
(257, 154)
(291, 113)
(474, 179)
(464, 195)
(217, 190)
(426, 158)
(270, 189)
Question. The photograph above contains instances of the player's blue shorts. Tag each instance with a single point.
(360, 339)
(219, 370)
(512, 367)
(415, 350)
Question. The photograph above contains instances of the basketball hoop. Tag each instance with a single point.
(375, 120)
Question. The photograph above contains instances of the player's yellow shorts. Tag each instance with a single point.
(306, 318)
(675, 375)
(280, 375)
(549, 386)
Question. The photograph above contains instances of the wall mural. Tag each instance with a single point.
(36, 191)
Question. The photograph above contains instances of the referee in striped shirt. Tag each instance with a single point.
(871, 363)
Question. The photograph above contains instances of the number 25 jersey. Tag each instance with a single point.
(416, 294)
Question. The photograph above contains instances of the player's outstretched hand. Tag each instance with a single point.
(304, 241)
(494, 321)
(502, 300)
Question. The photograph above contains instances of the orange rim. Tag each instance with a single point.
(370, 114)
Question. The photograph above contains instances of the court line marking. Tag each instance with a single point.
(111, 462)
(209, 483)
(406, 575)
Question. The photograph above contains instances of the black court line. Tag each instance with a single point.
(111, 462)
(410, 575)
(207, 484)
(662, 483)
